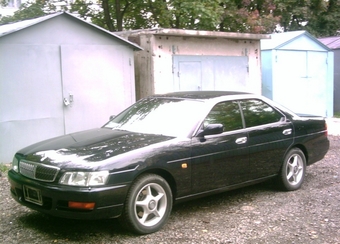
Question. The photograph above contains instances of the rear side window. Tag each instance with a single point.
(257, 112)
(226, 113)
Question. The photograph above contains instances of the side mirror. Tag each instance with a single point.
(112, 117)
(211, 129)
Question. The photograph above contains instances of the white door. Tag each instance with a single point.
(190, 77)
(93, 85)
(300, 81)
(30, 100)
(210, 73)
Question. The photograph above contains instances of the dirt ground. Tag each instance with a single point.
(256, 214)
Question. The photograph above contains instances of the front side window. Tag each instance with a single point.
(257, 112)
(226, 113)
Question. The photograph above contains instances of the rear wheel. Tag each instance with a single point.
(293, 170)
(148, 204)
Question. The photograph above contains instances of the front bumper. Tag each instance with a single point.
(108, 200)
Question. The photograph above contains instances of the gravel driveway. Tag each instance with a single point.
(256, 214)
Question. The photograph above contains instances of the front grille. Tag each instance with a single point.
(38, 171)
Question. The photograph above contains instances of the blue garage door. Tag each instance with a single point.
(301, 81)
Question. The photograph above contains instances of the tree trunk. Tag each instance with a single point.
(119, 16)
(107, 16)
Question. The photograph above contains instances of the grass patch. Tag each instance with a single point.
(337, 115)
(4, 167)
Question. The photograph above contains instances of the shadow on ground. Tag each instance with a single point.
(83, 230)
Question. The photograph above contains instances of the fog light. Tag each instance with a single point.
(82, 205)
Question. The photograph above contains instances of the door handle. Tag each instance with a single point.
(69, 100)
(241, 140)
(287, 132)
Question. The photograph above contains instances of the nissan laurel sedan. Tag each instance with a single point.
(165, 149)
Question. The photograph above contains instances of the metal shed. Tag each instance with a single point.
(60, 74)
(334, 44)
(180, 60)
(297, 71)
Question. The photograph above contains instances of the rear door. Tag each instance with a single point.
(270, 134)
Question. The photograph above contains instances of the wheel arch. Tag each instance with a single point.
(164, 174)
(302, 148)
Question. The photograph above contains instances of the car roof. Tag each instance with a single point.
(201, 95)
(213, 97)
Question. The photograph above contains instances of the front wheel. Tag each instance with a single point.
(148, 204)
(293, 170)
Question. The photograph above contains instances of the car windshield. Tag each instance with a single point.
(165, 116)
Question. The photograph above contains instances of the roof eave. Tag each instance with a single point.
(300, 33)
(200, 33)
(135, 46)
(47, 17)
(33, 22)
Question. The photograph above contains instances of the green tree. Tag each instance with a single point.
(320, 17)
(326, 23)
(254, 16)
(223, 15)
(30, 10)
(135, 14)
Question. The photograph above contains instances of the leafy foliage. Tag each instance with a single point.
(326, 23)
(31, 10)
(320, 17)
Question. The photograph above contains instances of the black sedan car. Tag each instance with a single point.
(165, 149)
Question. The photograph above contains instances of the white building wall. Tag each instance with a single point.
(155, 68)
(57, 59)
(298, 73)
(164, 47)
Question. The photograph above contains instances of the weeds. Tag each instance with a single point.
(4, 167)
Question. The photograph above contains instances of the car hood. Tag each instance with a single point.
(88, 146)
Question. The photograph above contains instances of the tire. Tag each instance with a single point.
(148, 204)
(293, 170)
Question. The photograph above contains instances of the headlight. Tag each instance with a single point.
(84, 178)
(15, 164)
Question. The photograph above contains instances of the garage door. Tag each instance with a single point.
(301, 80)
(210, 73)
